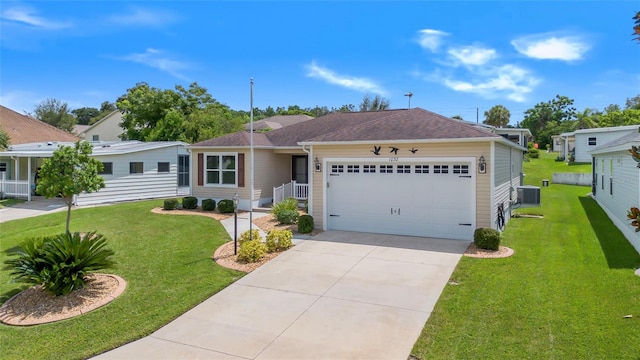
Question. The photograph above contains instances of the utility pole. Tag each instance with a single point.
(477, 116)
(409, 94)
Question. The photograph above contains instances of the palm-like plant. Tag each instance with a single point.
(59, 263)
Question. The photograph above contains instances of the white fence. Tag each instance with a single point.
(14, 188)
(292, 189)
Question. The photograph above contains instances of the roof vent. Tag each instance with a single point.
(49, 143)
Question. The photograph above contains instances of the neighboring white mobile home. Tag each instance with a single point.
(133, 170)
(616, 182)
(586, 140)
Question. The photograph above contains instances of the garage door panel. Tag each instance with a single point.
(421, 204)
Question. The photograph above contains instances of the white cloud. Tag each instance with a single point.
(430, 39)
(350, 82)
(28, 16)
(139, 16)
(551, 47)
(156, 59)
(472, 55)
(509, 81)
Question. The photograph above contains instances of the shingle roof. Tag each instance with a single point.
(24, 129)
(623, 141)
(411, 124)
(277, 122)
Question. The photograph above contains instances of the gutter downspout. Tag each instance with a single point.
(310, 172)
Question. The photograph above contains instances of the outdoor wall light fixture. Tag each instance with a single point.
(318, 165)
(482, 165)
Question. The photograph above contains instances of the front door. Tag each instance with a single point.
(300, 169)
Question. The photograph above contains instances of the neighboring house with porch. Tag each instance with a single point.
(133, 170)
(106, 129)
(408, 172)
(23, 129)
(616, 182)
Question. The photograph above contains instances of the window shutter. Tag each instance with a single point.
(200, 169)
(240, 170)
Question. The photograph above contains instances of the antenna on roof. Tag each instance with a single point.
(409, 94)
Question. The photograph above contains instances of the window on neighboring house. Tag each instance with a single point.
(107, 168)
(592, 141)
(136, 167)
(96, 137)
(221, 169)
(163, 167)
(3, 166)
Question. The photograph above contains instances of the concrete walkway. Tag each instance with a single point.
(38, 206)
(339, 295)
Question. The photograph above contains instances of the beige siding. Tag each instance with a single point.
(475, 149)
(270, 170)
(107, 129)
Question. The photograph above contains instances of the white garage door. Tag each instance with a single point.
(431, 199)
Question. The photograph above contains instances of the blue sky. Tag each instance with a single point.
(455, 57)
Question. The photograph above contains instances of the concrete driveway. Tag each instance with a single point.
(339, 295)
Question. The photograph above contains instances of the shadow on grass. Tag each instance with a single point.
(11, 293)
(620, 254)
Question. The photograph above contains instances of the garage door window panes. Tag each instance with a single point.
(337, 168)
(422, 169)
(221, 169)
(386, 169)
(404, 169)
(440, 169)
(369, 169)
(460, 169)
(353, 168)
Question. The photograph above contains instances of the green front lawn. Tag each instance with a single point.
(165, 259)
(10, 202)
(563, 295)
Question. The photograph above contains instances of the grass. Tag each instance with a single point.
(10, 202)
(563, 295)
(165, 259)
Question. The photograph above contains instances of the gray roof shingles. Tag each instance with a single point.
(405, 124)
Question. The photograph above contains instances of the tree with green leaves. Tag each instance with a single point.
(4, 139)
(375, 103)
(55, 112)
(587, 119)
(633, 103)
(69, 172)
(498, 116)
(545, 117)
(152, 114)
(85, 114)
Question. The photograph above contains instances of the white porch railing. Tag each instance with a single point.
(292, 189)
(14, 188)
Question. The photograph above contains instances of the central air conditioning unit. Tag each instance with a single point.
(528, 194)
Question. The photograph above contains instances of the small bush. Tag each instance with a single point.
(225, 206)
(255, 236)
(278, 240)
(251, 251)
(208, 204)
(487, 238)
(287, 217)
(59, 263)
(305, 224)
(170, 204)
(534, 153)
(288, 205)
(189, 202)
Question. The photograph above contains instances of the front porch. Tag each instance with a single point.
(291, 189)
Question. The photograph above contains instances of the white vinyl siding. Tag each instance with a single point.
(502, 167)
(601, 137)
(625, 181)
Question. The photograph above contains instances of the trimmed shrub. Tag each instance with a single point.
(287, 206)
(278, 240)
(534, 153)
(255, 236)
(287, 217)
(251, 251)
(61, 262)
(225, 206)
(170, 204)
(305, 224)
(487, 238)
(208, 204)
(189, 202)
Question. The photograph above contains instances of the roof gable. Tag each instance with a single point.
(24, 129)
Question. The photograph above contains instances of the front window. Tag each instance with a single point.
(136, 168)
(221, 169)
(107, 168)
(592, 141)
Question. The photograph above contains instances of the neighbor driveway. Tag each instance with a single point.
(339, 295)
